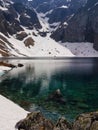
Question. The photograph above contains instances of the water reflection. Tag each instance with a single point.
(77, 79)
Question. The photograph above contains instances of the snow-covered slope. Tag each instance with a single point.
(25, 32)
(43, 47)
(22, 33)
(10, 114)
(83, 49)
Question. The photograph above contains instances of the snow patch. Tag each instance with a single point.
(81, 49)
(64, 6)
(3, 69)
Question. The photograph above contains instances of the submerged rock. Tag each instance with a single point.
(57, 97)
(35, 121)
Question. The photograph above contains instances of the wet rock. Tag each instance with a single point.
(20, 65)
(86, 122)
(63, 124)
(35, 121)
(57, 97)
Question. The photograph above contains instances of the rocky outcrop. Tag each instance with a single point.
(36, 121)
(4, 46)
(29, 42)
(7, 64)
(28, 17)
(15, 15)
(86, 122)
(21, 35)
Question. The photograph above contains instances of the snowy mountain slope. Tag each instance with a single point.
(22, 33)
(84, 49)
(45, 47)
(25, 32)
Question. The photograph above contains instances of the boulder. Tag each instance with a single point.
(35, 121)
(86, 122)
(29, 42)
(21, 35)
(94, 125)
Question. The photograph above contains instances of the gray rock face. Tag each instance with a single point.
(9, 21)
(57, 10)
(82, 27)
(28, 17)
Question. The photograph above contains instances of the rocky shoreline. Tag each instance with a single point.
(36, 121)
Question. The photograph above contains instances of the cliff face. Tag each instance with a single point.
(57, 10)
(82, 27)
(12, 16)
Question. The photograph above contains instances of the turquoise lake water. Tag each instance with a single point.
(29, 86)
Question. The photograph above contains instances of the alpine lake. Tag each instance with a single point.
(29, 86)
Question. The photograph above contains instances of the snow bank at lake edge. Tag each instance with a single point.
(10, 114)
(3, 69)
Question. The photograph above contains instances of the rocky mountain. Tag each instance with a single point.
(82, 27)
(26, 26)
(56, 11)
(21, 32)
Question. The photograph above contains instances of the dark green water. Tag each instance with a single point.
(30, 86)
